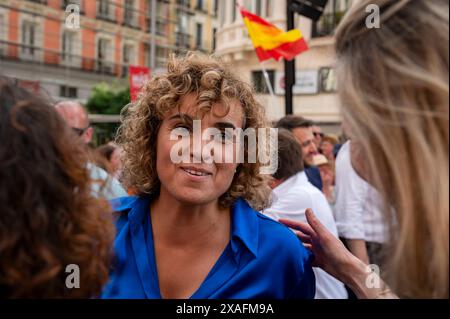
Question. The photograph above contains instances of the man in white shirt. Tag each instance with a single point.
(76, 116)
(358, 212)
(292, 195)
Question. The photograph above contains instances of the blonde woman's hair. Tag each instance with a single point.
(213, 82)
(394, 91)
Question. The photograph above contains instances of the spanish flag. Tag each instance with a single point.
(272, 42)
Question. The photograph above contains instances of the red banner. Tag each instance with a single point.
(139, 75)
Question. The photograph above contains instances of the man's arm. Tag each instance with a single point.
(358, 248)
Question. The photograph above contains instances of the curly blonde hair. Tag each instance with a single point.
(213, 82)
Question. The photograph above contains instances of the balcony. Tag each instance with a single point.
(106, 11)
(38, 1)
(183, 40)
(105, 67)
(201, 7)
(185, 7)
(131, 17)
(131, 23)
(22, 53)
(161, 26)
(79, 3)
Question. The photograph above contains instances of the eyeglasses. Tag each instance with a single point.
(316, 134)
(79, 131)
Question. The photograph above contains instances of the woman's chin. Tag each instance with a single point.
(194, 197)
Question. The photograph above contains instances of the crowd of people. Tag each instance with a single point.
(139, 225)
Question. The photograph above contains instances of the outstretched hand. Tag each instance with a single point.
(329, 252)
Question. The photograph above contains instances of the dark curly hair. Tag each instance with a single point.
(48, 217)
(213, 82)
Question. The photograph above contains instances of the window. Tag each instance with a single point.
(183, 40)
(103, 7)
(184, 23)
(128, 15)
(184, 3)
(222, 12)
(269, 8)
(234, 10)
(128, 54)
(259, 82)
(258, 9)
(147, 59)
(216, 7)
(104, 55)
(214, 40)
(66, 3)
(327, 78)
(68, 46)
(161, 57)
(199, 5)
(330, 19)
(199, 36)
(105, 10)
(2, 35)
(28, 38)
(68, 91)
(103, 48)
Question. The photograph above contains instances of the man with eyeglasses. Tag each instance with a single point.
(302, 129)
(76, 116)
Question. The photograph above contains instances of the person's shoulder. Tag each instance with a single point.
(344, 152)
(292, 257)
(123, 204)
(121, 207)
(277, 234)
(311, 193)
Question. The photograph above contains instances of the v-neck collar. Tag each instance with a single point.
(243, 247)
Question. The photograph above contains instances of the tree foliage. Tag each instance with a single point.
(108, 99)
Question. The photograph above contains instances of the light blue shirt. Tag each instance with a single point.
(111, 188)
(263, 259)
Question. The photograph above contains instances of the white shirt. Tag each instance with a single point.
(290, 201)
(111, 188)
(357, 210)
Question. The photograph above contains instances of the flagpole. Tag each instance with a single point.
(274, 100)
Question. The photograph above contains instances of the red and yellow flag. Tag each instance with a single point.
(272, 42)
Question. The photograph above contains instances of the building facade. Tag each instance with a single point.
(43, 46)
(315, 90)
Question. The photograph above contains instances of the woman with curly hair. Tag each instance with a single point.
(193, 230)
(50, 224)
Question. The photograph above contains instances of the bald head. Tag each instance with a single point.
(73, 113)
(76, 116)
